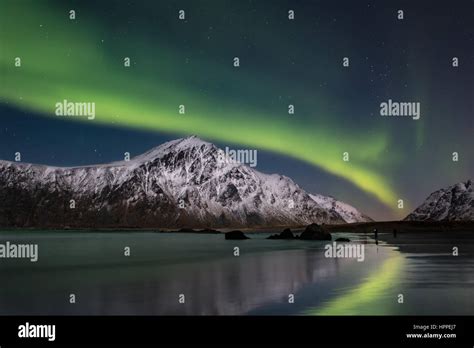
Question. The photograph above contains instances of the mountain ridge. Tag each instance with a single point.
(452, 203)
(178, 183)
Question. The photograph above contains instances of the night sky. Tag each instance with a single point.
(300, 62)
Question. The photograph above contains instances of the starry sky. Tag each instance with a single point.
(190, 62)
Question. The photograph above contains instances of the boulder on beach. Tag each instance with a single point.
(235, 235)
(286, 234)
(186, 230)
(315, 232)
(209, 230)
(342, 239)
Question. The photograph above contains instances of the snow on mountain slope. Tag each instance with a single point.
(454, 203)
(182, 183)
(346, 211)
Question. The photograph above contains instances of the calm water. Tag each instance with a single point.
(214, 281)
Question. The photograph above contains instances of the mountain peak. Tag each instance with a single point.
(178, 145)
(190, 141)
(452, 203)
(179, 183)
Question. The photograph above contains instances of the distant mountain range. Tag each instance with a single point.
(348, 213)
(182, 183)
(454, 203)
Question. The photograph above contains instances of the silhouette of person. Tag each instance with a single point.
(376, 236)
(395, 233)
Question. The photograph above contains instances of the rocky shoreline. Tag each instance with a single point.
(365, 227)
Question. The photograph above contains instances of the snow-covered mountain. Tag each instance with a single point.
(454, 203)
(346, 211)
(182, 183)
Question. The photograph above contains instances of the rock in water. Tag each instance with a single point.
(209, 230)
(235, 235)
(315, 232)
(341, 239)
(286, 234)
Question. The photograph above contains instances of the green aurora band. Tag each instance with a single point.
(71, 64)
(361, 299)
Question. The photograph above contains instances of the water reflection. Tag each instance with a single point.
(216, 283)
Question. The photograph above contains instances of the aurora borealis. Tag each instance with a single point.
(359, 300)
(299, 62)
